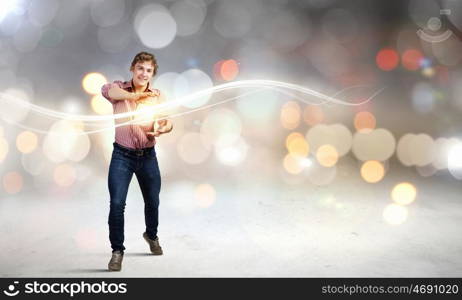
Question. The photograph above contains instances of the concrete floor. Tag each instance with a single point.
(255, 228)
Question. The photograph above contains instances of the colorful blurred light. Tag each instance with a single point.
(298, 147)
(403, 150)
(292, 164)
(155, 26)
(411, 59)
(455, 160)
(290, 115)
(12, 182)
(191, 81)
(428, 72)
(233, 154)
(92, 83)
(292, 136)
(327, 155)
(336, 135)
(364, 121)
(372, 171)
(229, 70)
(26, 142)
(404, 193)
(422, 149)
(387, 59)
(378, 144)
(100, 105)
(66, 141)
(395, 214)
(313, 114)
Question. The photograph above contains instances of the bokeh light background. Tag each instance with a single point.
(265, 185)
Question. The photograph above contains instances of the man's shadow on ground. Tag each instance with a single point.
(100, 270)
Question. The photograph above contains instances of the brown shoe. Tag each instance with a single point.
(156, 249)
(115, 264)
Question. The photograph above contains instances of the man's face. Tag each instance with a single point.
(142, 73)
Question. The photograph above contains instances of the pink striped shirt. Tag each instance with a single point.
(132, 135)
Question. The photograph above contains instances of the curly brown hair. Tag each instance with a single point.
(145, 56)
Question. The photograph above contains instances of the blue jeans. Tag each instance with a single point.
(124, 163)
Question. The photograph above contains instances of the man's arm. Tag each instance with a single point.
(165, 126)
(116, 93)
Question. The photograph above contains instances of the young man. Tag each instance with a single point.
(134, 153)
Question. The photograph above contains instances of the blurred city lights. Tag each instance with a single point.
(378, 144)
(290, 115)
(232, 154)
(155, 26)
(404, 193)
(100, 105)
(422, 148)
(403, 150)
(66, 141)
(92, 83)
(327, 155)
(298, 146)
(364, 121)
(240, 39)
(387, 59)
(189, 16)
(107, 13)
(336, 135)
(313, 115)
(372, 171)
(229, 69)
(26, 142)
(455, 160)
(292, 136)
(442, 148)
(293, 164)
(13, 182)
(395, 214)
(190, 81)
(411, 59)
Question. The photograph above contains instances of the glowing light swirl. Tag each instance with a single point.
(160, 109)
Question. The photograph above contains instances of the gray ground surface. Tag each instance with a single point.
(255, 228)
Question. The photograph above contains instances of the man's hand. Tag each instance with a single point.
(139, 97)
(165, 126)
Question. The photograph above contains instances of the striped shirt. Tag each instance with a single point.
(131, 135)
